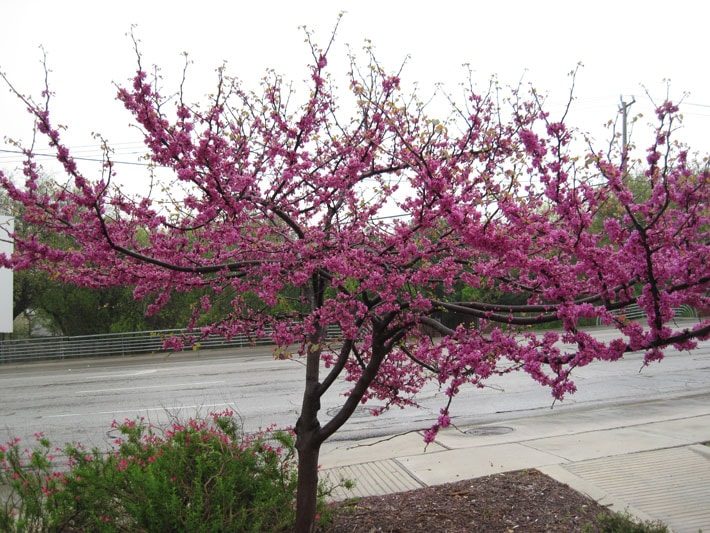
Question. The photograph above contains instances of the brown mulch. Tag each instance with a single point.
(521, 501)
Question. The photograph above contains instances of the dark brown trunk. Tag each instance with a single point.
(307, 492)
(308, 438)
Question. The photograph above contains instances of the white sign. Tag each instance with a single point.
(6, 228)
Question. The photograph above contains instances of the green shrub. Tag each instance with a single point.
(202, 475)
(624, 523)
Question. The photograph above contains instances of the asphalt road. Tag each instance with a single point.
(77, 400)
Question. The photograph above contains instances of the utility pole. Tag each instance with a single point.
(624, 110)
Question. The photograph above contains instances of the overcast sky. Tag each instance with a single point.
(622, 45)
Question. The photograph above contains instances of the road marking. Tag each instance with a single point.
(94, 391)
(167, 409)
(99, 377)
(256, 365)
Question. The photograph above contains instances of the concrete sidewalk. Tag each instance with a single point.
(647, 457)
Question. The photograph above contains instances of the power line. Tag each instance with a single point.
(135, 163)
(392, 216)
(697, 114)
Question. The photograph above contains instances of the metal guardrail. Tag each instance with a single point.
(634, 312)
(112, 344)
(140, 342)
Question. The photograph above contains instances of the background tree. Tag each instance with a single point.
(288, 209)
(73, 310)
(68, 309)
(28, 285)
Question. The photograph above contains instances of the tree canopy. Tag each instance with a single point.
(374, 222)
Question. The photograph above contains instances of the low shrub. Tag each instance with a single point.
(624, 523)
(199, 475)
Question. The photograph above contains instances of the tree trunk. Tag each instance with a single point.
(308, 443)
(307, 492)
(308, 438)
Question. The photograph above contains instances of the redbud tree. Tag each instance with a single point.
(373, 220)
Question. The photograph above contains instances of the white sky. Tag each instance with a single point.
(622, 45)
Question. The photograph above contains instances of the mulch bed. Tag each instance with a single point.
(521, 501)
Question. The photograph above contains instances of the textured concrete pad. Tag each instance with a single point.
(453, 465)
(589, 489)
(340, 453)
(671, 485)
(371, 479)
(591, 445)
